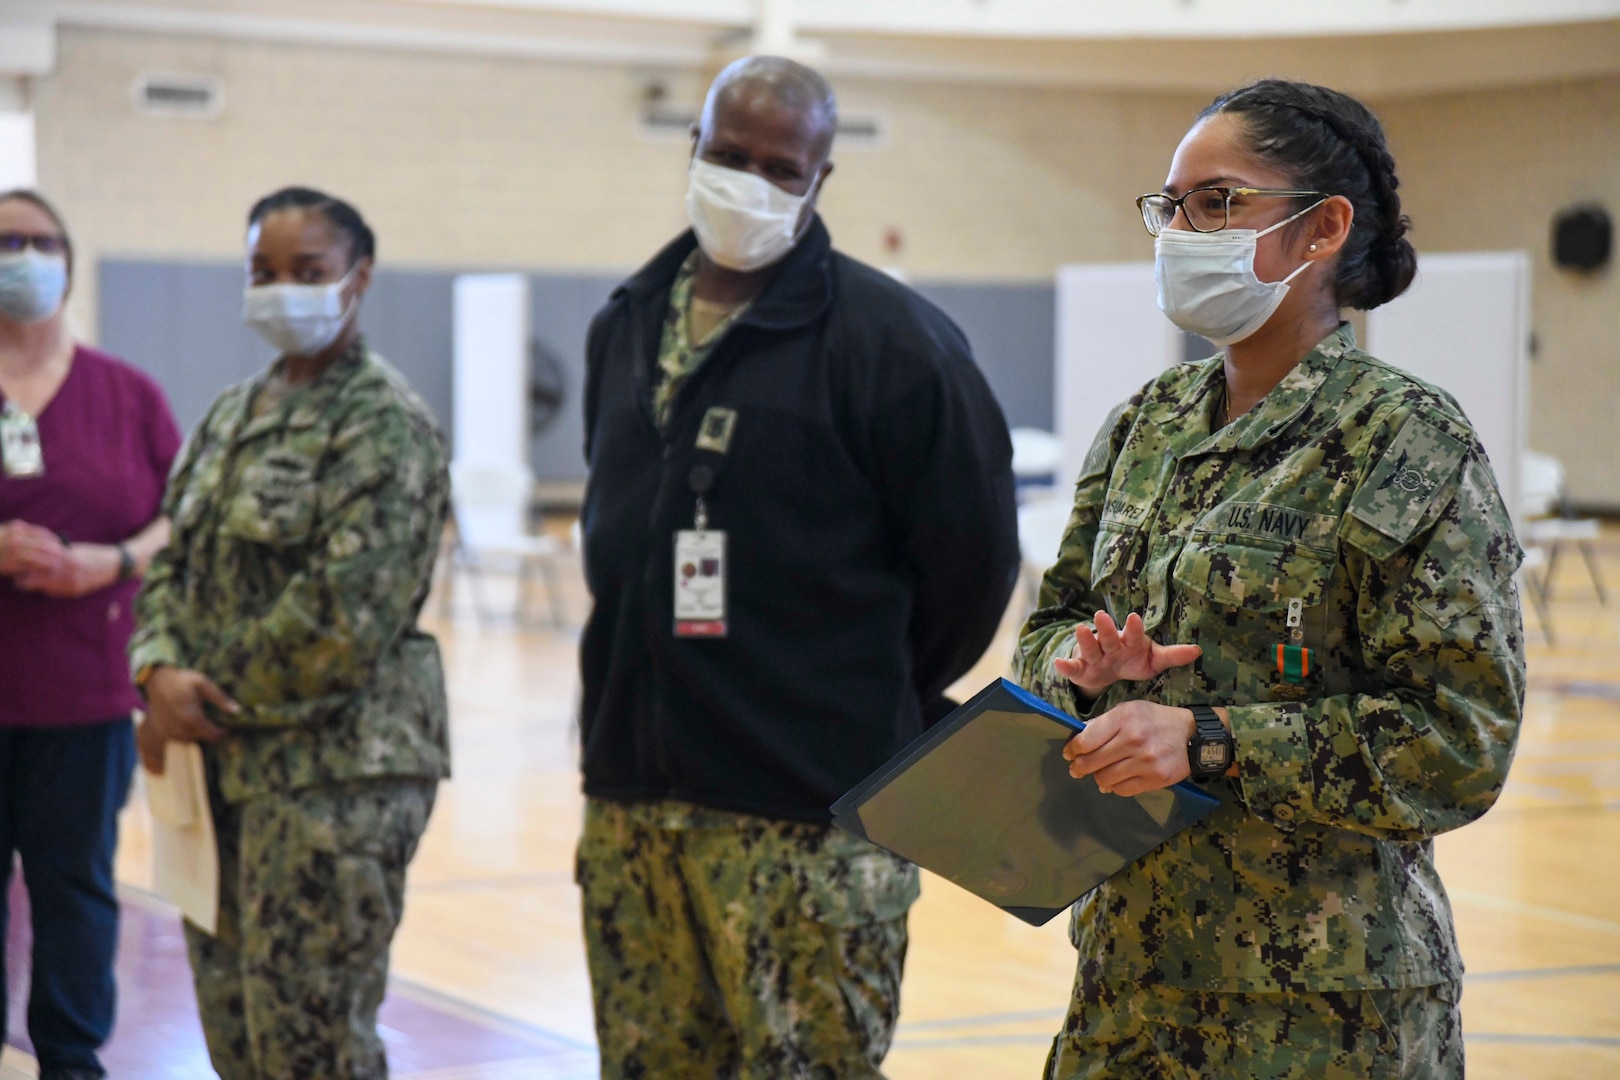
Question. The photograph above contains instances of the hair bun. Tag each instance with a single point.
(1324, 140)
(1396, 260)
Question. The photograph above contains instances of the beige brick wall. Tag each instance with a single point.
(474, 162)
(466, 161)
(1487, 171)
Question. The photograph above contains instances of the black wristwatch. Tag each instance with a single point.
(126, 563)
(1211, 748)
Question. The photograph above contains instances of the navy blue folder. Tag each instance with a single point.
(985, 799)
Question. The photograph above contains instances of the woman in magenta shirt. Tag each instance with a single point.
(86, 442)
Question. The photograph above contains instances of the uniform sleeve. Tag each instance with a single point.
(159, 605)
(944, 470)
(383, 499)
(1442, 639)
(1067, 598)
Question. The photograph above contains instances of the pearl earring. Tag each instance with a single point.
(1313, 247)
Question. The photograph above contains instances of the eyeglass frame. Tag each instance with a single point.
(1178, 204)
(13, 243)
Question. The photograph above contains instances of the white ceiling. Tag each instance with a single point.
(1093, 18)
(1377, 48)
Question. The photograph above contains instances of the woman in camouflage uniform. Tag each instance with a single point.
(1288, 574)
(279, 629)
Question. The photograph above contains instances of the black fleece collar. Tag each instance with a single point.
(801, 291)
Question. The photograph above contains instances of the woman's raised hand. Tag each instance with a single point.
(1109, 654)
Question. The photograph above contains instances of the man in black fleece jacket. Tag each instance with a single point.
(799, 530)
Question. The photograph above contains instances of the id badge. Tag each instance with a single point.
(700, 583)
(20, 454)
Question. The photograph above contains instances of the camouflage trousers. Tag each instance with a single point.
(312, 886)
(1134, 1032)
(728, 946)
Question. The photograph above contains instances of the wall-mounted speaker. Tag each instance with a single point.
(1582, 237)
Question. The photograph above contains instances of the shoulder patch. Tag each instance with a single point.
(1415, 476)
(1102, 446)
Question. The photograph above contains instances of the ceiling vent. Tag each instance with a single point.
(200, 97)
(661, 121)
(863, 131)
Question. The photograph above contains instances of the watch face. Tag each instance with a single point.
(1212, 755)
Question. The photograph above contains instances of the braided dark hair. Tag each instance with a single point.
(343, 217)
(1328, 141)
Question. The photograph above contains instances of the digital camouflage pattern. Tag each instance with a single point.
(723, 945)
(1364, 494)
(292, 988)
(303, 545)
(678, 355)
(1130, 1032)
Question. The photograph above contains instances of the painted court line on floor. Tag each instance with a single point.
(1055, 1018)
(1596, 1041)
(568, 1067)
(544, 878)
(1523, 974)
(478, 1014)
(1537, 911)
(158, 1035)
(985, 1020)
(964, 1041)
(1604, 691)
(1601, 1042)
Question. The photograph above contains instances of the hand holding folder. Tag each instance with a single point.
(984, 799)
(185, 860)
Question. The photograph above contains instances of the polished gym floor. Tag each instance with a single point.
(490, 974)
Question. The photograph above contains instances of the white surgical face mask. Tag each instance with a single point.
(1207, 283)
(297, 320)
(31, 285)
(743, 222)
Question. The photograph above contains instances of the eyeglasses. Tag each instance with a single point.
(1207, 209)
(45, 244)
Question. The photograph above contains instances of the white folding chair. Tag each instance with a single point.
(1548, 524)
(1533, 574)
(490, 503)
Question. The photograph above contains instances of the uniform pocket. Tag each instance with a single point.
(274, 506)
(1236, 596)
(851, 948)
(1114, 559)
(1252, 577)
(326, 867)
(844, 887)
(1418, 1031)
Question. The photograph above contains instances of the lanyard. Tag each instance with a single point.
(700, 607)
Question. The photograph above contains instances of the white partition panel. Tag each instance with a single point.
(491, 385)
(1464, 325)
(17, 158)
(1111, 338)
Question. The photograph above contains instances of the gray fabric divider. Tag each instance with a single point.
(1012, 328)
(181, 321)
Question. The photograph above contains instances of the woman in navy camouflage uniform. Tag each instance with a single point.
(1288, 574)
(279, 629)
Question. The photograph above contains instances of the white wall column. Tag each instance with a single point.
(1111, 338)
(1464, 326)
(27, 50)
(19, 165)
(491, 384)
